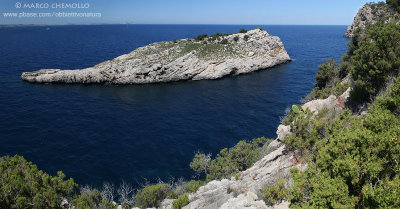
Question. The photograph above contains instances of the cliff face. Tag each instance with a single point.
(188, 59)
(370, 14)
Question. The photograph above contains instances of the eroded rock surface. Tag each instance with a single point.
(370, 14)
(185, 59)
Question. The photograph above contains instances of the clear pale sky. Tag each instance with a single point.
(292, 12)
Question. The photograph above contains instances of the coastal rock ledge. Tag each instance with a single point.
(211, 57)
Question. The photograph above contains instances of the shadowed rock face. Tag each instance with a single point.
(370, 14)
(185, 59)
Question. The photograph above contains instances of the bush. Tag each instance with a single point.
(243, 31)
(326, 73)
(201, 37)
(238, 158)
(395, 4)
(376, 59)
(152, 196)
(307, 129)
(200, 163)
(224, 41)
(182, 201)
(91, 198)
(236, 38)
(246, 37)
(276, 193)
(23, 185)
(193, 185)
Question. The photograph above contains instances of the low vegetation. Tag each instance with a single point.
(152, 196)
(395, 4)
(181, 201)
(275, 193)
(230, 161)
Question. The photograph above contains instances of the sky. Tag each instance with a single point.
(240, 12)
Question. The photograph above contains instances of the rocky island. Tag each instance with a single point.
(205, 57)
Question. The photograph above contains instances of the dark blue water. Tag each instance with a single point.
(97, 133)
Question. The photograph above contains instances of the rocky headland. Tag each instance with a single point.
(206, 57)
(370, 14)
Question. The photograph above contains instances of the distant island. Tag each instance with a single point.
(204, 57)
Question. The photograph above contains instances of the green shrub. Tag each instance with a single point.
(181, 202)
(395, 4)
(193, 185)
(200, 163)
(376, 59)
(229, 161)
(224, 41)
(323, 93)
(91, 199)
(238, 158)
(236, 38)
(243, 31)
(276, 193)
(201, 37)
(246, 37)
(326, 73)
(152, 196)
(307, 129)
(23, 185)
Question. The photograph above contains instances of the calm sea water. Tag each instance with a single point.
(97, 133)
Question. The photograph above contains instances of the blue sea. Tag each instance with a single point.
(137, 133)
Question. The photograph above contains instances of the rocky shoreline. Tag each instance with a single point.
(211, 57)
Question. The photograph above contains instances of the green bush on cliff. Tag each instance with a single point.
(23, 185)
(376, 59)
(395, 4)
(201, 37)
(224, 41)
(230, 161)
(90, 199)
(328, 80)
(356, 161)
(327, 73)
(275, 193)
(151, 196)
(180, 202)
(193, 185)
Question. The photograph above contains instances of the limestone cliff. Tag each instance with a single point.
(370, 14)
(187, 59)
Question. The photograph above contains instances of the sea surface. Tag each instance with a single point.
(137, 133)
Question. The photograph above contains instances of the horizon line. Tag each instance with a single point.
(89, 24)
